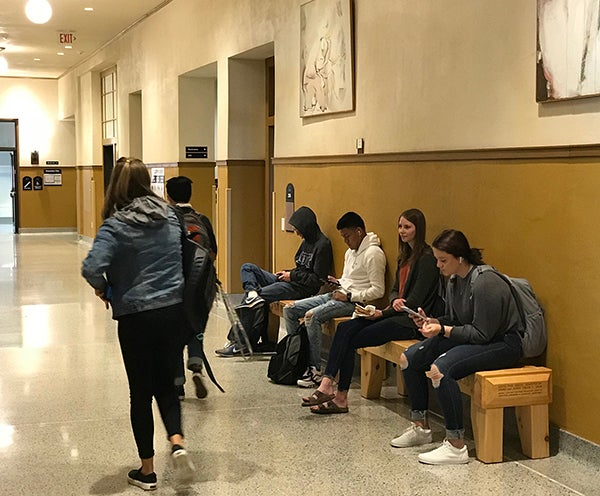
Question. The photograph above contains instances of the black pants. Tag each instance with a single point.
(359, 333)
(151, 345)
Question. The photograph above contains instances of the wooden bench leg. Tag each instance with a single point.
(273, 327)
(532, 422)
(487, 430)
(400, 385)
(372, 371)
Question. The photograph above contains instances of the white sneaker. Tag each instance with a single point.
(415, 435)
(311, 378)
(446, 454)
(184, 468)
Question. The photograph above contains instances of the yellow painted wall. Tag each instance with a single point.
(54, 206)
(90, 199)
(533, 219)
(240, 199)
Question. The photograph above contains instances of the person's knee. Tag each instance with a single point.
(435, 375)
(403, 362)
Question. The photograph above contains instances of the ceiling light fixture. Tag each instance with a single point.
(38, 11)
(89, 9)
(3, 64)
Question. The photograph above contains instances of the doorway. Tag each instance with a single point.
(108, 162)
(8, 176)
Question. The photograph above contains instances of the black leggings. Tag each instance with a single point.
(358, 333)
(151, 344)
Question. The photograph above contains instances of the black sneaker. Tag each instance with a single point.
(201, 390)
(180, 392)
(146, 482)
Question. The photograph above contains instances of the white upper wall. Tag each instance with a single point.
(430, 75)
(35, 103)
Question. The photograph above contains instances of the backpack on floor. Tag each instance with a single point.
(254, 321)
(533, 327)
(290, 359)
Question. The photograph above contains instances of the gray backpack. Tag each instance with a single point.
(533, 327)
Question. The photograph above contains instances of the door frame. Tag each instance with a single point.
(14, 173)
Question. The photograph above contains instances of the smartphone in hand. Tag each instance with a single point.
(410, 311)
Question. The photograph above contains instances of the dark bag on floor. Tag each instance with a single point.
(254, 320)
(291, 358)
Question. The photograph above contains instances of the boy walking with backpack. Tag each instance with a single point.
(199, 229)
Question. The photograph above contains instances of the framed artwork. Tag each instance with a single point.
(568, 49)
(326, 57)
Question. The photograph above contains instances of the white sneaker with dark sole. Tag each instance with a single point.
(446, 454)
(311, 379)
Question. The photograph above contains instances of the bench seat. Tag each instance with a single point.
(329, 327)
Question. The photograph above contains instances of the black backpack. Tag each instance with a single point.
(200, 289)
(254, 320)
(291, 358)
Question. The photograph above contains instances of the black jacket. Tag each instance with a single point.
(421, 289)
(314, 258)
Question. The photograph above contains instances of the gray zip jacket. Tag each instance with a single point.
(137, 252)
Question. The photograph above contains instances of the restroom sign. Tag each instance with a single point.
(66, 38)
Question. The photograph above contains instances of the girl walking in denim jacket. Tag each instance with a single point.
(135, 265)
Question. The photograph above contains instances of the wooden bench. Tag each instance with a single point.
(528, 389)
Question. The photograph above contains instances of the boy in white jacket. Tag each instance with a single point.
(362, 281)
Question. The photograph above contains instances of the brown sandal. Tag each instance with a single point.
(317, 398)
(329, 407)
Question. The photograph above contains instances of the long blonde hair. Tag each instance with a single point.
(129, 180)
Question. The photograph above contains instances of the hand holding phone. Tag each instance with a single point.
(410, 311)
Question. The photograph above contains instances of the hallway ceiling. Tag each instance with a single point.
(24, 41)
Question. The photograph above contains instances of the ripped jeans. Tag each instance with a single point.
(454, 361)
(323, 308)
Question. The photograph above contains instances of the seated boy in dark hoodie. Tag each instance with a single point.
(314, 262)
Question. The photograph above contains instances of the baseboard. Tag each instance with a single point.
(47, 230)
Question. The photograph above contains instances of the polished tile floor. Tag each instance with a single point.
(64, 425)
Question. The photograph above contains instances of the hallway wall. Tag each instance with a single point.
(429, 77)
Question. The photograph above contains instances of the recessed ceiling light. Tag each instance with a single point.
(68, 46)
(38, 11)
(59, 53)
(37, 59)
(88, 9)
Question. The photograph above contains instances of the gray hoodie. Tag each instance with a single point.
(137, 252)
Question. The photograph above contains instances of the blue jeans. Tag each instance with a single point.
(266, 284)
(323, 308)
(358, 333)
(455, 361)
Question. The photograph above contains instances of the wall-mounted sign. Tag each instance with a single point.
(53, 177)
(51, 162)
(289, 206)
(196, 152)
(158, 181)
(66, 38)
(27, 183)
(38, 183)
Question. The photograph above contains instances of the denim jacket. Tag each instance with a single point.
(137, 253)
